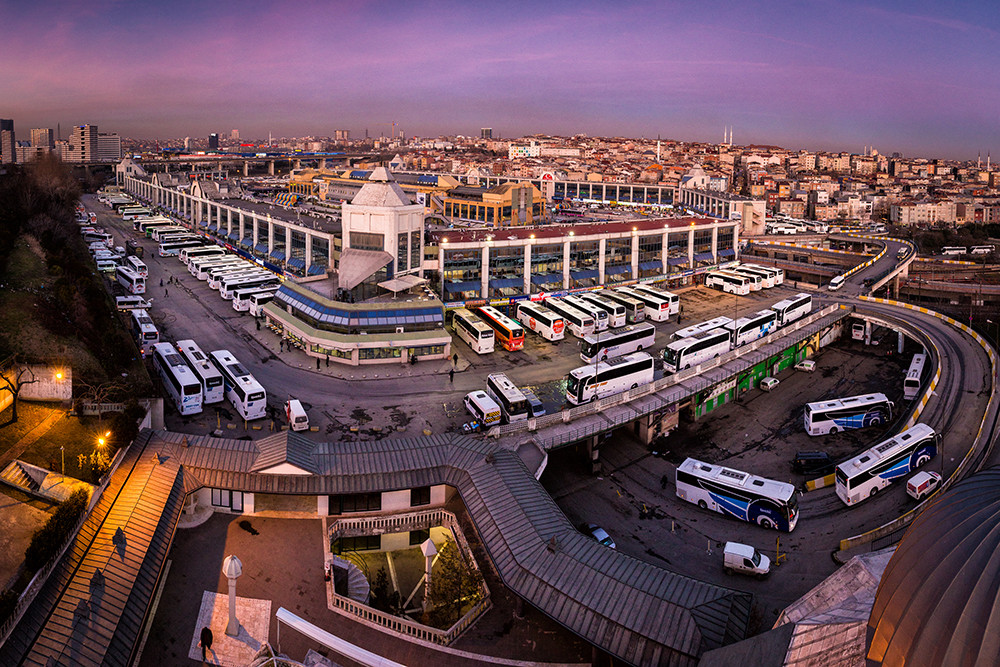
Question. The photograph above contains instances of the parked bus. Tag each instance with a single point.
(840, 414)
(133, 213)
(180, 381)
(635, 310)
(914, 375)
(691, 351)
(541, 320)
(508, 332)
(606, 378)
(701, 327)
(654, 307)
(212, 386)
(166, 232)
(756, 280)
(670, 297)
(615, 311)
(953, 250)
(981, 250)
(617, 342)
(216, 276)
(777, 275)
(243, 391)
(260, 282)
(870, 472)
(578, 322)
(765, 502)
(513, 404)
(137, 265)
(257, 302)
(199, 268)
(189, 254)
(766, 277)
(130, 280)
(750, 328)
(791, 309)
(241, 297)
(146, 226)
(599, 314)
(476, 333)
(171, 248)
(728, 282)
(143, 330)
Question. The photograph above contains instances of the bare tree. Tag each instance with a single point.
(106, 392)
(13, 378)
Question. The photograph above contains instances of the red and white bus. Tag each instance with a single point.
(508, 332)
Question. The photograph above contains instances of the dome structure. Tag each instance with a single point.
(937, 601)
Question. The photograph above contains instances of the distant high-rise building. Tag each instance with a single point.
(342, 135)
(213, 141)
(486, 133)
(109, 147)
(42, 137)
(187, 143)
(8, 145)
(82, 146)
(234, 135)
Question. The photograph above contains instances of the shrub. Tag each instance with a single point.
(8, 600)
(47, 539)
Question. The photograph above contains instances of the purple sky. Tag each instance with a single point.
(916, 77)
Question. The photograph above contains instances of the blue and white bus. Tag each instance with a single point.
(738, 494)
(617, 342)
(824, 417)
(179, 380)
(791, 309)
(750, 328)
(693, 350)
(868, 473)
(242, 389)
(212, 386)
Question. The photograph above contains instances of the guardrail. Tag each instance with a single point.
(603, 404)
(903, 521)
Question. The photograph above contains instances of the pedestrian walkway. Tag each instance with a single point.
(29, 438)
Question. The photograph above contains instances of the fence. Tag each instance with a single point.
(375, 525)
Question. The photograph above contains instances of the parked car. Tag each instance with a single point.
(807, 365)
(746, 559)
(923, 484)
(767, 384)
(813, 463)
(598, 533)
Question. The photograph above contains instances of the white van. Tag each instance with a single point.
(106, 266)
(744, 558)
(923, 484)
(131, 302)
(836, 283)
(296, 415)
(482, 407)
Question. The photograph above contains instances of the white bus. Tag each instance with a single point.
(981, 249)
(541, 320)
(179, 380)
(635, 310)
(599, 314)
(953, 250)
(670, 297)
(868, 473)
(606, 378)
(914, 375)
(172, 248)
(243, 391)
(257, 302)
(143, 330)
(241, 297)
(777, 275)
(148, 225)
(160, 234)
(188, 254)
(756, 281)
(615, 343)
(750, 328)
(791, 309)
(200, 268)
(473, 331)
(615, 311)
(130, 280)
(513, 404)
(216, 276)
(578, 322)
(840, 414)
(212, 386)
(137, 265)
(766, 277)
(701, 327)
(691, 351)
(133, 213)
(728, 282)
(261, 282)
(765, 502)
(654, 307)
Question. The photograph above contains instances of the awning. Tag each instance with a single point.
(358, 265)
(728, 252)
(500, 283)
(278, 254)
(546, 279)
(650, 265)
(261, 247)
(464, 286)
(402, 283)
(247, 242)
(233, 235)
(677, 261)
(584, 274)
(704, 257)
(316, 270)
(296, 263)
(618, 268)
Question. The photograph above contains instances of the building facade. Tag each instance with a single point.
(82, 145)
(8, 143)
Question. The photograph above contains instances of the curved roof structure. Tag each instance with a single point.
(936, 604)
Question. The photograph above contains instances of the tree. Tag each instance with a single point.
(13, 379)
(455, 585)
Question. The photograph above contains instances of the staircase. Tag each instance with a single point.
(358, 586)
(17, 474)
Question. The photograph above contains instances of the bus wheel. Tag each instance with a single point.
(873, 491)
(634, 385)
(922, 459)
(876, 421)
(765, 522)
(638, 348)
(833, 430)
(702, 504)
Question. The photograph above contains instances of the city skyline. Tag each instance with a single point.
(836, 77)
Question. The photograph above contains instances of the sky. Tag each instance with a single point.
(916, 77)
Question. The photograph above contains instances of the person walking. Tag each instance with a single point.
(451, 375)
(166, 292)
(206, 642)
(161, 282)
(454, 359)
(317, 363)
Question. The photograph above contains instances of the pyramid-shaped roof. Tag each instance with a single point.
(381, 190)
